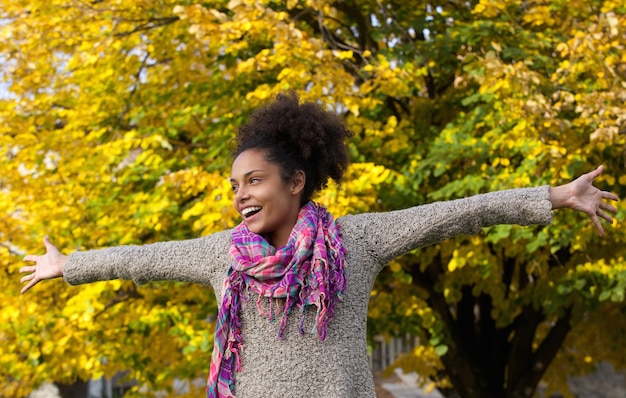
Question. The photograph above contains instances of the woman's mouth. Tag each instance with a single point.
(250, 211)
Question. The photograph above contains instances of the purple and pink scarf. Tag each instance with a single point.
(308, 270)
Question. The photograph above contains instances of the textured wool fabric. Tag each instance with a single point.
(307, 271)
(303, 366)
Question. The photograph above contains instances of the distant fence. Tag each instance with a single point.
(385, 352)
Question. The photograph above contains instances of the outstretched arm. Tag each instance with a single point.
(581, 195)
(202, 260)
(390, 234)
(387, 235)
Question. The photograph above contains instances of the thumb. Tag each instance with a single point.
(595, 173)
(47, 243)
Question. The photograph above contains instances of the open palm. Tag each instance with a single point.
(585, 197)
(47, 266)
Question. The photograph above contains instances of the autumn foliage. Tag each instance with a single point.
(116, 120)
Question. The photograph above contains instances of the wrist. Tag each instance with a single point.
(61, 265)
(559, 196)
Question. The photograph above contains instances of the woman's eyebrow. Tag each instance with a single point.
(231, 179)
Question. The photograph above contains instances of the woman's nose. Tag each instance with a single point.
(241, 195)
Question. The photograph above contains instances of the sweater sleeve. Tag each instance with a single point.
(391, 234)
(195, 260)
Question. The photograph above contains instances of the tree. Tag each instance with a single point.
(116, 129)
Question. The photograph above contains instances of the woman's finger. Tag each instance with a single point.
(47, 243)
(609, 195)
(608, 207)
(596, 222)
(27, 278)
(28, 268)
(595, 173)
(602, 214)
(31, 284)
(30, 257)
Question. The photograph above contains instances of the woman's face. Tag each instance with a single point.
(268, 204)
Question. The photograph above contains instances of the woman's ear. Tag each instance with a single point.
(298, 181)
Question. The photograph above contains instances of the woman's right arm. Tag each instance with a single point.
(194, 260)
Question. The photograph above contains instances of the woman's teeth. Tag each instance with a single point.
(249, 210)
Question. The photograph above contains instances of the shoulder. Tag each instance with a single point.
(355, 223)
(222, 237)
(217, 243)
(359, 229)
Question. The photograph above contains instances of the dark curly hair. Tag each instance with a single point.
(298, 136)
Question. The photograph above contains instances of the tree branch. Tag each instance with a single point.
(122, 295)
(149, 24)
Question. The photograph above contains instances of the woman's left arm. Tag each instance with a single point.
(389, 234)
(581, 195)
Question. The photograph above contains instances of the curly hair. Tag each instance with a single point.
(298, 136)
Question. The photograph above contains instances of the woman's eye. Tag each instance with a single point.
(234, 188)
(253, 180)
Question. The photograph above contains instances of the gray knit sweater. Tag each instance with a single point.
(302, 366)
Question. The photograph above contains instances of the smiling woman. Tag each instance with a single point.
(290, 254)
(268, 204)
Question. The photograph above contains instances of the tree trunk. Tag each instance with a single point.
(75, 390)
(483, 359)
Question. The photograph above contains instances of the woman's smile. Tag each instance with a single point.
(248, 212)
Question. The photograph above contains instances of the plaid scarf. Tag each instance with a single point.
(308, 270)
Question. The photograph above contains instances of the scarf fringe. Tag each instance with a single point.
(309, 270)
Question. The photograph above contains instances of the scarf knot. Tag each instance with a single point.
(308, 270)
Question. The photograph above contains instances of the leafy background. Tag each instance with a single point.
(116, 128)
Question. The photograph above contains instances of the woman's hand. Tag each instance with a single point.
(48, 266)
(581, 195)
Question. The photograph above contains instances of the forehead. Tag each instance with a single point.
(251, 160)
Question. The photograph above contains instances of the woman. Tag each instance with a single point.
(289, 254)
